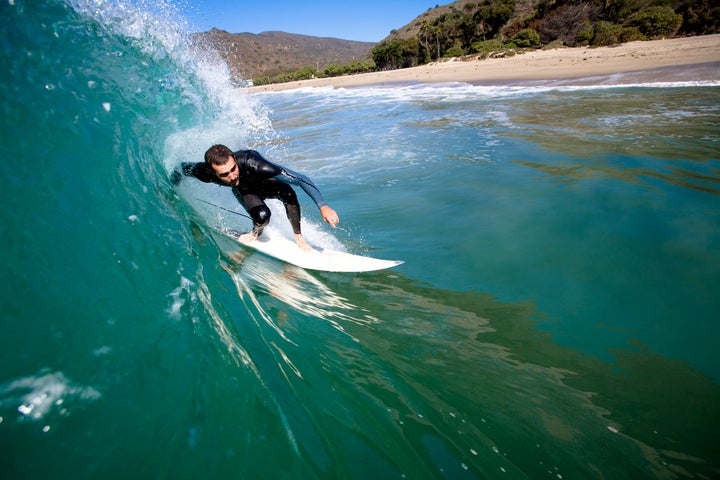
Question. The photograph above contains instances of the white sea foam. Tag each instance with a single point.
(457, 91)
(35, 397)
(186, 291)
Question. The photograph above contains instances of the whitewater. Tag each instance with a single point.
(555, 317)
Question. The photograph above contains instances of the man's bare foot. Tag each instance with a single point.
(247, 237)
(302, 243)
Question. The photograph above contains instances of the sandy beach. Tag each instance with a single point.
(561, 63)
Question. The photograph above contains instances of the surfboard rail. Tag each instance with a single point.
(319, 259)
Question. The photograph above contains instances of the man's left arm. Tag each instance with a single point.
(289, 176)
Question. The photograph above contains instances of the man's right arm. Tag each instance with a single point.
(198, 170)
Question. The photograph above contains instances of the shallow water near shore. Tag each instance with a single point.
(555, 316)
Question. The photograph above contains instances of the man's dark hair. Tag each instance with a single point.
(217, 155)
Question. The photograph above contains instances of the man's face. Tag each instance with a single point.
(227, 173)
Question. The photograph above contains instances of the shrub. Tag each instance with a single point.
(700, 17)
(655, 22)
(526, 38)
(585, 34)
(486, 46)
(334, 70)
(257, 81)
(606, 34)
(631, 34)
(304, 73)
(455, 51)
(554, 44)
(567, 21)
(360, 67)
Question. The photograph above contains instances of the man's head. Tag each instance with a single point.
(221, 161)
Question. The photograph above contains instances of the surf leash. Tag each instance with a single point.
(247, 216)
(223, 208)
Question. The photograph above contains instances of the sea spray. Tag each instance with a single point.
(157, 31)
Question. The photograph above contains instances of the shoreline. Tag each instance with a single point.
(542, 65)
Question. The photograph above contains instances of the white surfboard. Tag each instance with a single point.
(318, 259)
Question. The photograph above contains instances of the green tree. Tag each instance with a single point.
(425, 30)
(438, 38)
(618, 11)
(397, 54)
(492, 15)
(700, 17)
(387, 55)
(655, 22)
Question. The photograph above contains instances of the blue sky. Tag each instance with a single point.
(368, 21)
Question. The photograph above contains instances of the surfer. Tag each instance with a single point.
(253, 180)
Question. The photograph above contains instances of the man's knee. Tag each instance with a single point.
(260, 215)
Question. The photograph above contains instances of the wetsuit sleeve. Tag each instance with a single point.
(190, 169)
(288, 176)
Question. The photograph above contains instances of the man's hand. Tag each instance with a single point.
(329, 215)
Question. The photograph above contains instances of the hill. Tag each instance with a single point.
(492, 27)
(269, 54)
(465, 27)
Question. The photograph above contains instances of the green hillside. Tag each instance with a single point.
(480, 27)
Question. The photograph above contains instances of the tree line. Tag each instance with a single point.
(491, 26)
(306, 73)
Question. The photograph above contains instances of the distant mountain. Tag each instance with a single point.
(250, 55)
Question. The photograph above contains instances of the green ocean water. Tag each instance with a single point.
(556, 315)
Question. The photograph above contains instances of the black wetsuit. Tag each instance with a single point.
(259, 180)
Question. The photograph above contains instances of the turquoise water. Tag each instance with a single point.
(555, 317)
